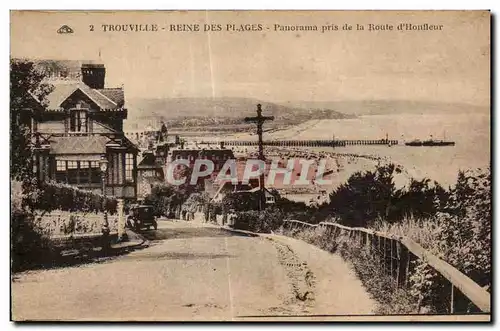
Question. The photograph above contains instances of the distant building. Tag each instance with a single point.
(217, 156)
(82, 123)
(149, 172)
(252, 187)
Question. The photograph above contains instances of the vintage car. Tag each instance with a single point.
(141, 217)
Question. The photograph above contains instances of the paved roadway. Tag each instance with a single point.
(197, 272)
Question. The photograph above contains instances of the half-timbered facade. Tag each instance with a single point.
(82, 123)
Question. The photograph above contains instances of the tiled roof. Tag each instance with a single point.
(78, 145)
(115, 94)
(63, 91)
(148, 162)
(60, 93)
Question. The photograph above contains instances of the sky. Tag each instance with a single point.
(450, 65)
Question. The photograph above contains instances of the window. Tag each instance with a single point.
(60, 165)
(129, 167)
(61, 171)
(72, 164)
(78, 172)
(73, 172)
(149, 173)
(95, 172)
(78, 121)
(84, 173)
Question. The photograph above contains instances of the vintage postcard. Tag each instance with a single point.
(250, 166)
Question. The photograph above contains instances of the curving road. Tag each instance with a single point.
(197, 272)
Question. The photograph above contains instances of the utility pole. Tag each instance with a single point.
(259, 120)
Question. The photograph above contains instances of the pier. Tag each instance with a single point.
(302, 143)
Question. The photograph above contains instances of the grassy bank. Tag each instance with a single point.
(391, 300)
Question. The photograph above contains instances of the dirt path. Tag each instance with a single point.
(336, 287)
(193, 272)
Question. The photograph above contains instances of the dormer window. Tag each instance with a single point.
(78, 120)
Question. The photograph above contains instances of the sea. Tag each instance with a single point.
(470, 132)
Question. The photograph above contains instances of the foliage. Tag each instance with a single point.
(263, 222)
(195, 200)
(459, 233)
(365, 196)
(454, 225)
(49, 196)
(464, 239)
(421, 230)
(167, 198)
(295, 210)
(27, 94)
(29, 242)
(314, 235)
(371, 195)
(391, 300)
(246, 204)
(51, 209)
(381, 287)
(240, 201)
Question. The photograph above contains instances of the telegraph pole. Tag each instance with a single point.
(259, 120)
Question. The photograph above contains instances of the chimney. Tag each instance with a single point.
(93, 75)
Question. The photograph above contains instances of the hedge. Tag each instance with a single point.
(56, 196)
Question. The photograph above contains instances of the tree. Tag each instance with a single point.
(28, 93)
(240, 201)
(366, 196)
(167, 198)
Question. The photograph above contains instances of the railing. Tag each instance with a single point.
(397, 254)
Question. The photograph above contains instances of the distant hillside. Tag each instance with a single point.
(194, 112)
(384, 107)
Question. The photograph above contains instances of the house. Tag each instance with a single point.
(251, 188)
(82, 123)
(217, 156)
(149, 172)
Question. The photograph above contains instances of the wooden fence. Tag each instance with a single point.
(460, 293)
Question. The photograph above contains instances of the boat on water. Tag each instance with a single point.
(434, 142)
(430, 142)
(415, 142)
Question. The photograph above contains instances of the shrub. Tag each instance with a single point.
(460, 234)
(381, 286)
(29, 242)
(366, 196)
(53, 196)
(166, 198)
(264, 222)
(371, 195)
(32, 223)
(316, 236)
(465, 237)
(391, 300)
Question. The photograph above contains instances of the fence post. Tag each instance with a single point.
(402, 264)
(407, 266)
(452, 300)
(379, 244)
(385, 254)
(393, 269)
